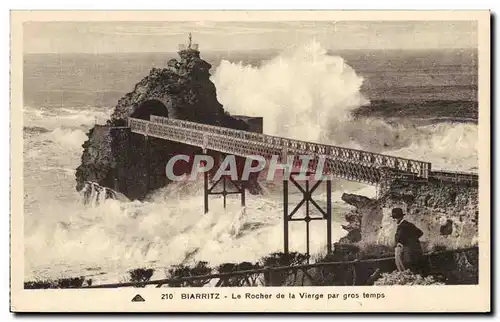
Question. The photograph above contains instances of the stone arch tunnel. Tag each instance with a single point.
(150, 107)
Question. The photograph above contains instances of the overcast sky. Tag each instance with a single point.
(102, 37)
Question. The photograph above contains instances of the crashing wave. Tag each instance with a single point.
(310, 95)
(95, 194)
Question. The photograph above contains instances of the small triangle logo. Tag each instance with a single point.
(138, 298)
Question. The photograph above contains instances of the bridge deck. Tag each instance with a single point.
(350, 164)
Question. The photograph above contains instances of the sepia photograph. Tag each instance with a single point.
(323, 160)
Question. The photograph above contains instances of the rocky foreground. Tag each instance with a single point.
(447, 213)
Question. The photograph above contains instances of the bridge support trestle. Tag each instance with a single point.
(226, 182)
(307, 201)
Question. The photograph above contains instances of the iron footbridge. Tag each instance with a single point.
(349, 164)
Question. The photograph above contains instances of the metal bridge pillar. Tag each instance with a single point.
(226, 182)
(307, 201)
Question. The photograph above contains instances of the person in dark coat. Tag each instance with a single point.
(408, 252)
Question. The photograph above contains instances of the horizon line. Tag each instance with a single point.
(250, 50)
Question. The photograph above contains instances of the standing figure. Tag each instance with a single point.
(408, 252)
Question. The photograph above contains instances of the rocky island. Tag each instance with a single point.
(114, 158)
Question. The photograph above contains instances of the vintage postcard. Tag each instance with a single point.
(298, 161)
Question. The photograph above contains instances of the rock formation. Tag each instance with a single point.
(353, 217)
(116, 158)
(447, 213)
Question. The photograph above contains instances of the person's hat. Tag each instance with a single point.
(397, 213)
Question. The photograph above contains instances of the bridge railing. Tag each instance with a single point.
(292, 145)
(196, 133)
(344, 162)
(138, 126)
(338, 160)
(456, 177)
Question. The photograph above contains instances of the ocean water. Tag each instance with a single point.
(305, 92)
